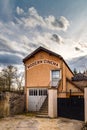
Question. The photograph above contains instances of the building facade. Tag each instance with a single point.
(45, 69)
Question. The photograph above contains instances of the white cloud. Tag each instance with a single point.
(24, 39)
(57, 24)
(83, 45)
(44, 38)
(51, 23)
(32, 30)
(33, 19)
(19, 10)
(32, 11)
(63, 22)
(57, 38)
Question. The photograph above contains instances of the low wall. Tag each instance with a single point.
(11, 104)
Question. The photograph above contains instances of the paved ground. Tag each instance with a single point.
(22, 122)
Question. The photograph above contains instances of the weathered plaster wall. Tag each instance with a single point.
(40, 75)
(11, 104)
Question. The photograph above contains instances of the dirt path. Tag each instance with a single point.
(32, 123)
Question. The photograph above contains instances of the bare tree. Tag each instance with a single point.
(2, 83)
(19, 81)
(9, 74)
(11, 79)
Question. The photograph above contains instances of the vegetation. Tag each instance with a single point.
(75, 71)
(11, 79)
(31, 114)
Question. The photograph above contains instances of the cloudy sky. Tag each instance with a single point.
(59, 25)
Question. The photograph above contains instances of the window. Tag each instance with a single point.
(31, 92)
(55, 76)
(37, 92)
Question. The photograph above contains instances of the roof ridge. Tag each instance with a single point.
(48, 51)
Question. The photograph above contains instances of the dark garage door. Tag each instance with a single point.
(72, 108)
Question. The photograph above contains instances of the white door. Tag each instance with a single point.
(36, 98)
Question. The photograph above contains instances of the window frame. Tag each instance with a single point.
(51, 75)
(37, 92)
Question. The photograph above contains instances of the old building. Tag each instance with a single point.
(45, 69)
(80, 80)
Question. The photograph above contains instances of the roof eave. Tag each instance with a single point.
(48, 51)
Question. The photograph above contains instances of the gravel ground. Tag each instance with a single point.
(22, 122)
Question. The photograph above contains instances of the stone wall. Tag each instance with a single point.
(11, 104)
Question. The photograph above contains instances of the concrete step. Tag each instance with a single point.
(45, 104)
(43, 112)
(44, 109)
(42, 116)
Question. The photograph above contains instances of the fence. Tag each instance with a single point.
(72, 108)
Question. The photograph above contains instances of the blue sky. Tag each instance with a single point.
(59, 25)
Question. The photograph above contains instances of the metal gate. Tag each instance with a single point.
(72, 108)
